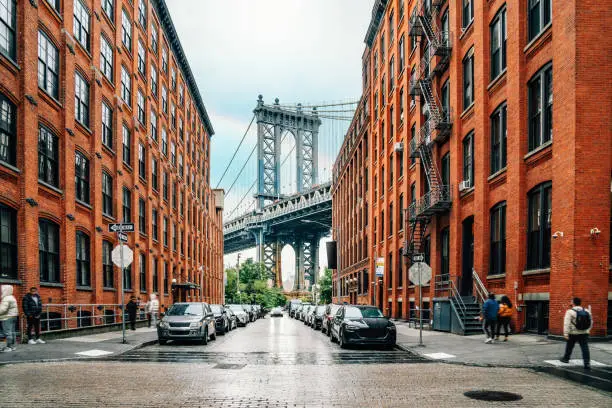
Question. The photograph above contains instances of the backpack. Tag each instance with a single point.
(583, 319)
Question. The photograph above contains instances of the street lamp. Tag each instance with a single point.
(337, 230)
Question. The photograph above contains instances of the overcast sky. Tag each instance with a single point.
(296, 50)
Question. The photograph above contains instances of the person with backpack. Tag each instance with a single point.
(8, 317)
(489, 314)
(576, 327)
(503, 316)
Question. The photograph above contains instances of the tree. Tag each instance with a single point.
(326, 287)
(253, 286)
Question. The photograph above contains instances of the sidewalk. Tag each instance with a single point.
(521, 350)
(94, 345)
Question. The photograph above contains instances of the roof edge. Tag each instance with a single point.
(377, 12)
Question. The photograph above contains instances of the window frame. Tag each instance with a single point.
(468, 158)
(126, 86)
(108, 6)
(542, 7)
(82, 32)
(49, 258)
(141, 107)
(50, 166)
(9, 251)
(126, 205)
(107, 194)
(467, 13)
(81, 178)
(142, 272)
(142, 216)
(48, 79)
(142, 161)
(107, 52)
(108, 277)
(142, 58)
(83, 259)
(82, 96)
(538, 241)
(8, 131)
(498, 54)
(541, 134)
(468, 83)
(497, 240)
(126, 136)
(126, 30)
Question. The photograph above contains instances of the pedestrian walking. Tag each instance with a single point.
(32, 308)
(152, 309)
(8, 317)
(576, 327)
(132, 309)
(503, 316)
(489, 315)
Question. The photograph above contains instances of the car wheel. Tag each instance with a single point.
(213, 336)
(328, 331)
(227, 328)
(341, 341)
(331, 337)
(204, 340)
(163, 342)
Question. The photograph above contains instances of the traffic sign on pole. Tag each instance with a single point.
(122, 237)
(380, 266)
(418, 258)
(124, 258)
(124, 227)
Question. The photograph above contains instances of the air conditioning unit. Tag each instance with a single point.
(398, 147)
(464, 185)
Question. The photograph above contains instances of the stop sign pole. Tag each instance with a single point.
(120, 229)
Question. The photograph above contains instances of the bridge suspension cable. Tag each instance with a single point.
(235, 152)
(241, 170)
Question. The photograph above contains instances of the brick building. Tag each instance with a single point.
(101, 122)
(497, 184)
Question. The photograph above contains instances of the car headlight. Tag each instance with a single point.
(351, 327)
(391, 327)
(195, 325)
(164, 325)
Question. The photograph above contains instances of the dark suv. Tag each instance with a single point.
(222, 324)
(187, 321)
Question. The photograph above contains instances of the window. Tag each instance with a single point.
(127, 145)
(81, 177)
(106, 58)
(142, 58)
(142, 216)
(174, 195)
(498, 43)
(48, 251)
(155, 224)
(140, 102)
(164, 60)
(126, 30)
(166, 231)
(498, 139)
(142, 13)
(154, 81)
(126, 86)
(382, 92)
(142, 161)
(142, 264)
(391, 219)
(8, 131)
(164, 138)
(382, 226)
(497, 257)
(173, 79)
(401, 106)
(48, 65)
(446, 169)
(173, 115)
(165, 184)
(468, 79)
(468, 159)
(81, 24)
(127, 277)
(539, 226)
(412, 137)
(48, 163)
(164, 99)
(467, 13)
(173, 153)
(391, 29)
(107, 194)
(155, 274)
(445, 253)
(402, 54)
(389, 271)
(8, 243)
(446, 99)
(174, 237)
(154, 38)
(382, 48)
(82, 259)
(391, 74)
(127, 205)
(166, 279)
(107, 264)
(539, 15)
(154, 174)
(540, 108)
(181, 165)
(109, 8)
(154, 125)
(81, 99)
(391, 171)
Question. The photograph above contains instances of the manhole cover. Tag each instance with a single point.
(229, 366)
(486, 395)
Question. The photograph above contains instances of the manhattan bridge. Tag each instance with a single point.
(282, 194)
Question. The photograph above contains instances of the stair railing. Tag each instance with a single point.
(479, 288)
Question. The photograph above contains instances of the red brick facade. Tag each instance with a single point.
(195, 212)
(577, 161)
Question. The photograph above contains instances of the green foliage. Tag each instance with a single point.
(253, 286)
(326, 287)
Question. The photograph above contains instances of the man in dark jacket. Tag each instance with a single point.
(32, 308)
(490, 308)
(132, 309)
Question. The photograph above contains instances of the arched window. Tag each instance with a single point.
(8, 131)
(8, 242)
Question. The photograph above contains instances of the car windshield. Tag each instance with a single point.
(246, 307)
(236, 308)
(216, 309)
(371, 312)
(186, 309)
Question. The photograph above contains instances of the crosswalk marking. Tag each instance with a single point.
(574, 362)
(94, 353)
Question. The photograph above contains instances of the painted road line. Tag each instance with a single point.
(439, 356)
(574, 362)
(94, 353)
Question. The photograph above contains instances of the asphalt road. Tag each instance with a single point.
(277, 362)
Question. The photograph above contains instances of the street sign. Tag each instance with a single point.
(380, 266)
(122, 237)
(420, 273)
(128, 256)
(418, 258)
(125, 227)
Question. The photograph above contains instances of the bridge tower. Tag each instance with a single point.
(272, 124)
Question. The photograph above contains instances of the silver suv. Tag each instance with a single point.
(187, 321)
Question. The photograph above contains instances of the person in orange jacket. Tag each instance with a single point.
(504, 316)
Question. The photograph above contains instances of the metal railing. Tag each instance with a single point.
(64, 317)
(479, 288)
(436, 196)
(448, 287)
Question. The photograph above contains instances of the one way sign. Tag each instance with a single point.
(126, 227)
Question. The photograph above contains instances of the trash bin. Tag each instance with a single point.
(442, 315)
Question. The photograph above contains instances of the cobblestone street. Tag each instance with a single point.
(276, 362)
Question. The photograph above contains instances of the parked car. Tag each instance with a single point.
(316, 317)
(231, 317)
(241, 315)
(277, 311)
(187, 321)
(250, 311)
(304, 310)
(298, 310)
(259, 311)
(362, 325)
(293, 306)
(330, 312)
(222, 325)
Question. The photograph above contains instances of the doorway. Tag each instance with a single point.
(467, 256)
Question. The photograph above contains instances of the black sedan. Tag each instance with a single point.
(222, 323)
(362, 325)
(316, 317)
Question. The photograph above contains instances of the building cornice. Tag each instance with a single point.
(168, 26)
(377, 12)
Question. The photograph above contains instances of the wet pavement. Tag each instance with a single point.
(278, 362)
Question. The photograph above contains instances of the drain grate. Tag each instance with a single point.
(229, 366)
(487, 395)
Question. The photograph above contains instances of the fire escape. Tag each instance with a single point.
(437, 125)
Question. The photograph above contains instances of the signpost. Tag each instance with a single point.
(380, 272)
(420, 274)
(122, 257)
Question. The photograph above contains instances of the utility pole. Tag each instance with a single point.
(238, 278)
